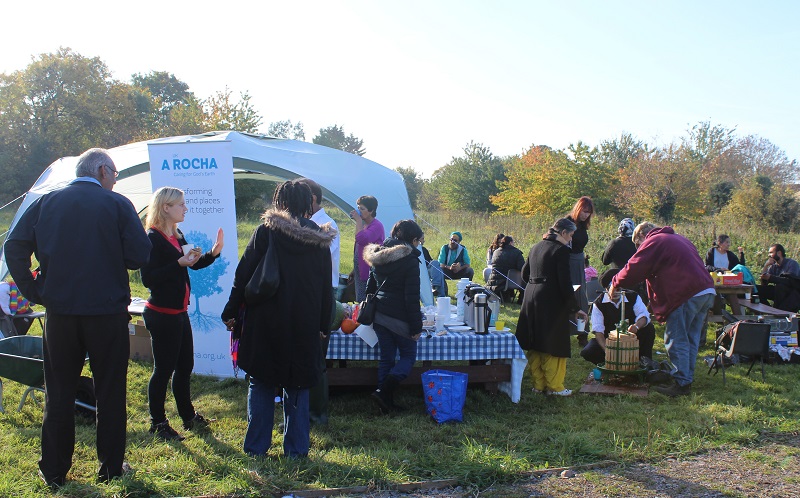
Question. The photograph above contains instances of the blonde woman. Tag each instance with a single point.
(165, 314)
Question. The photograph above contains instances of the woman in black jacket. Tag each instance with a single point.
(280, 344)
(165, 314)
(548, 306)
(505, 258)
(620, 250)
(398, 317)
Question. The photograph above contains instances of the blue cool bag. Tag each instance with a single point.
(445, 393)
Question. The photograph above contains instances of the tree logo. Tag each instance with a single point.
(205, 283)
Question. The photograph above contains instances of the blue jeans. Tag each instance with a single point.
(390, 343)
(682, 335)
(261, 417)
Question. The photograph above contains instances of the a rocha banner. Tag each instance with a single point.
(204, 171)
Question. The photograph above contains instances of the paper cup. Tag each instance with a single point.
(443, 306)
(581, 325)
(187, 248)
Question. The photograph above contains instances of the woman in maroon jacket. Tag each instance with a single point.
(165, 314)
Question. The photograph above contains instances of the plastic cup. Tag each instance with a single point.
(499, 325)
(581, 325)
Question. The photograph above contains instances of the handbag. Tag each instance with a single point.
(265, 280)
(368, 307)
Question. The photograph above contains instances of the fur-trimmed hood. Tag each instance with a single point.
(301, 231)
(392, 250)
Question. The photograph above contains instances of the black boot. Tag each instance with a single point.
(384, 395)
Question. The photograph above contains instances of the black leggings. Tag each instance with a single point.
(173, 357)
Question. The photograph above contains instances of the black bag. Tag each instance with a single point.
(368, 307)
(266, 279)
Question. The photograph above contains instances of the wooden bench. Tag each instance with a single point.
(759, 308)
(488, 375)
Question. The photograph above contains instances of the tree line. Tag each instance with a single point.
(709, 171)
(63, 103)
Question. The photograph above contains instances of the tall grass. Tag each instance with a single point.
(497, 441)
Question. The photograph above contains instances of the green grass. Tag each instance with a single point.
(497, 442)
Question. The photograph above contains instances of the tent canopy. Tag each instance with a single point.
(344, 177)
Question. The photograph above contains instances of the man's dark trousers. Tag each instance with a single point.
(67, 339)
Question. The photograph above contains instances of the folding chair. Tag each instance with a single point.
(746, 338)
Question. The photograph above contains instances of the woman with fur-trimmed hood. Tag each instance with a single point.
(398, 318)
(280, 345)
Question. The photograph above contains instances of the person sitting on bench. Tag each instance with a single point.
(606, 316)
(777, 266)
(454, 259)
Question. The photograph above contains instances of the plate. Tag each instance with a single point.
(459, 328)
(505, 329)
(453, 324)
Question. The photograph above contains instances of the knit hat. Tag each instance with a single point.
(626, 227)
(460, 237)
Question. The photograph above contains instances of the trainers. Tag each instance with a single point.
(198, 422)
(565, 392)
(165, 432)
(674, 389)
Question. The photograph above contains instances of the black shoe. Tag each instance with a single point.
(53, 483)
(165, 432)
(673, 390)
(381, 401)
(197, 423)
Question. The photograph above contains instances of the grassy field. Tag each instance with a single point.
(497, 442)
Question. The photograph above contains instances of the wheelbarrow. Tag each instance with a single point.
(21, 361)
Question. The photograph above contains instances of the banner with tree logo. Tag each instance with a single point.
(204, 171)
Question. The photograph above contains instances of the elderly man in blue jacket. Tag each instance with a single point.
(86, 238)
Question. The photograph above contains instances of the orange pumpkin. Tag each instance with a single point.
(349, 325)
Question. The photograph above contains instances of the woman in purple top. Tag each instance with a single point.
(368, 231)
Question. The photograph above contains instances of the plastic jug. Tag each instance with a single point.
(462, 284)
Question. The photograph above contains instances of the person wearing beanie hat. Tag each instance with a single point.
(606, 315)
(454, 259)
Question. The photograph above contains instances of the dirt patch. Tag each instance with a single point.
(769, 468)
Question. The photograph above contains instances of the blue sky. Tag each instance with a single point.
(418, 80)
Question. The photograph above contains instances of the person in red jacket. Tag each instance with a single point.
(681, 292)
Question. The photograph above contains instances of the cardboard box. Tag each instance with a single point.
(786, 340)
(141, 349)
(727, 278)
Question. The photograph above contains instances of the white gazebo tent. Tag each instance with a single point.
(343, 176)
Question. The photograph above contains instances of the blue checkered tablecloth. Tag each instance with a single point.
(499, 347)
(452, 346)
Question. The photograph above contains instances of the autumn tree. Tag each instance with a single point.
(662, 183)
(222, 112)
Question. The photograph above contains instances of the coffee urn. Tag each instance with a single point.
(482, 314)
